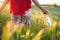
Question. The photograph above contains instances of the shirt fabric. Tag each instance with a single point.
(18, 7)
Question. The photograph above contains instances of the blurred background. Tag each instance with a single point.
(39, 29)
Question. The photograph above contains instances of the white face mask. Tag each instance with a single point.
(48, 21)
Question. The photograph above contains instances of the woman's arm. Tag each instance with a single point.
(3, 5)
(40, 7)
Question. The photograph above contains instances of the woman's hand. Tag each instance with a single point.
(45, 11)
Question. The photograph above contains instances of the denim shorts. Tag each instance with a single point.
(25, 19)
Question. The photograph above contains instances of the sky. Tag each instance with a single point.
(47, 1)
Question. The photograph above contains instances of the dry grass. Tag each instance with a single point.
(7, 34)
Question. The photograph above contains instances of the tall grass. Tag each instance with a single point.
(4, 17)
(36, 25)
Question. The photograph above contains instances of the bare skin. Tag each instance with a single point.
(34, 1)
(22, 16)
(4, 4)
(40, 7)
